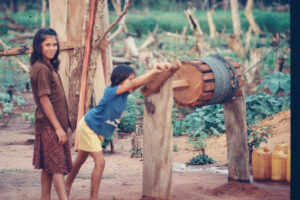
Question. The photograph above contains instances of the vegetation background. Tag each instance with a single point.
(270, 94)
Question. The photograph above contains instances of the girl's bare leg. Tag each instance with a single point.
(96, 174)
(80, 159)
(60, 186)
(46, 181)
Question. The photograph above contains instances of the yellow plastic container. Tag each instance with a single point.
(279, 164)
(288, 167)
(261, 164)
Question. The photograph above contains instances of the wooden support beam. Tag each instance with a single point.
(27, 49)
(236, 134)
(86, 59)
(157, 143)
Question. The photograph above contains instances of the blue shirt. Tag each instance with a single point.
(105, 117)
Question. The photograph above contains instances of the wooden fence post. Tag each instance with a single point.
(157, 143)
(236, 133)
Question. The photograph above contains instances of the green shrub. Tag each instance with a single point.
(29, 116)
(207, 120)
(201, 159)
(128, 121)
(262, 105)
(257, 135)
(20, 101)
(275, 82)
(198, 143)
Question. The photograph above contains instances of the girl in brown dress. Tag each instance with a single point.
(51, 147)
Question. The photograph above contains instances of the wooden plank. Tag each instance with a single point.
(204, 68)
(236, 134)
(209, 86)
(208, 76)
(154, 85)
(157, 143)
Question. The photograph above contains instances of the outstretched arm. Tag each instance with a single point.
(137, 82)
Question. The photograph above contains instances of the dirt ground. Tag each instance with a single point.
(122, 178)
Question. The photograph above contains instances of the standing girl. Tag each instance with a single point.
(51, 147)
(101, 121)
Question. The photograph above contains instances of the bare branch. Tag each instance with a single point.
(22, 65)
(114, 23)
(121, 24)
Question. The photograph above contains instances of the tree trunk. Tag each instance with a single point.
(96, 82)
(249, 16)
(43, 13)
(157, 144)
(58, 21)
(236, 134)
(78, 9)
(235, 18)
(225, 4)
(212, 28)
(15, 6)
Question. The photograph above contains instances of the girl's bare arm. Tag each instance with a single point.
(49, 111)
(142, 79)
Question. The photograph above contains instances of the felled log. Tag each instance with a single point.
(131, 51)
(151, 39)
(26, 49)
(234, 43)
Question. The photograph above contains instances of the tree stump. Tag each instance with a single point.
(136, 142)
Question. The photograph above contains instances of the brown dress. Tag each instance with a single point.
(48, 154)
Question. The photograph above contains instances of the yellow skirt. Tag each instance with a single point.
(88, 140)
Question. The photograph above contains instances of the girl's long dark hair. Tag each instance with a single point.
(36, 54)
(120, 73)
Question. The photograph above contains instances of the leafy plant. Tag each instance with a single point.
(128, 121)
(198, 143)
(257, 135)
(29, 116)
(20, 101)
(277, 81)
(175, 147)
(208, 120)
(201, 159)
(178, 128)
(262, 105)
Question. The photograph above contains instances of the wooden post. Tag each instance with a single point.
(86, 59)
(236, 133)
(157, 143)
